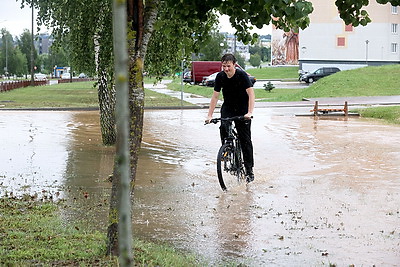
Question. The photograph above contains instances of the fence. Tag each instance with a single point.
(75, 80)
(7, 86)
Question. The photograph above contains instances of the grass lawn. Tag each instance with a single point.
(368, 81)
(285, 73)
(33, 234)
(78, 94)
(70, 95)
(389, 114)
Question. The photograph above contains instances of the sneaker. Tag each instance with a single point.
(249, 175)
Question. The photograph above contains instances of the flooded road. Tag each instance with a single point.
(326, 190)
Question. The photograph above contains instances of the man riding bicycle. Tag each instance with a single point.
(239, 98)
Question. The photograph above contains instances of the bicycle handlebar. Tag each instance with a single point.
(215, 120)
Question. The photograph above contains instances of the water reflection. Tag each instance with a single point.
(325, 190)
(33, 153)
(88, 168)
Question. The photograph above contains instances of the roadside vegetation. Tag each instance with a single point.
(275, 73)
(32, 234)
(389, 114)
(368, 81)
(70, 95)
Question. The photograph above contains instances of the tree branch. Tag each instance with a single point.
(150, 17)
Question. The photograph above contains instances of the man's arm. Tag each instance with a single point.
(213, 104)
(252, 97)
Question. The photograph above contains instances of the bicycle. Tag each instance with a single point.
(230, 166)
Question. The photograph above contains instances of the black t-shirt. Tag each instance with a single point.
(236, 99)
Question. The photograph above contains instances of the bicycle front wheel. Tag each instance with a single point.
(228, 169)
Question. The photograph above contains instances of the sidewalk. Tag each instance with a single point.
(337, 101)
(188, 97)
(328, 101)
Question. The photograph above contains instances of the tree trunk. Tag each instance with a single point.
(122, 147)
(141, 21)
(106, 94)
(136, 107)
(140, 27)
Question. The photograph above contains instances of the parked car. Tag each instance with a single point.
(40, 77)
(318, 74)
(82, 75)
(202, 69)
(210, 80)
(66, 75)
(187, 77)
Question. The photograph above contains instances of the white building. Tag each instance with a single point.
(236, 46)
(329, 42)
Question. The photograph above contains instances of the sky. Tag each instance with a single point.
(225, 26)
(15, 19)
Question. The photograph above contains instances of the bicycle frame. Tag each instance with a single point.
(230, 154)
(233, 140)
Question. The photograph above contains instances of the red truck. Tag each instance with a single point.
(201, 69)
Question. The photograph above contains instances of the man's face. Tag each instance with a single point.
(229, 68)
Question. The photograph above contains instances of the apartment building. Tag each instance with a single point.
(236, 46)
(43, 42)
(329, 42)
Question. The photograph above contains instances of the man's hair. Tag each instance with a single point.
(228, 57)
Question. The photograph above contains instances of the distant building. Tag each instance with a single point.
(265, 40)
(43, 43)
(329, 42)
(236, 46)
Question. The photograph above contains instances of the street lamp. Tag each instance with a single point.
(32, 49)
(6, 68)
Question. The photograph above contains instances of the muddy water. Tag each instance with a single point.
(326, 191)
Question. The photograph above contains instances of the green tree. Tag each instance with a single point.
(57, 57)
(173, 41)
(213, 48)
(12, 60)
(265, 54)
(256, 49)
(255, 60)
(240, 60)
(25, 43)
(18, 62)
(7, 48)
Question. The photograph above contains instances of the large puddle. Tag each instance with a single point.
(326, 191)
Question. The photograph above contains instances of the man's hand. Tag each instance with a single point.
(207, 121)
(248, 116)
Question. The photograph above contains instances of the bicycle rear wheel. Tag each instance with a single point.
(228, 169)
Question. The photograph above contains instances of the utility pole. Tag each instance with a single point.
(366, 52)
(234, 44)
(32, 49)
(6, 69)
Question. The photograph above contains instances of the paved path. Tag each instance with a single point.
(328, 101)
(188, 97)
(337, 101)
